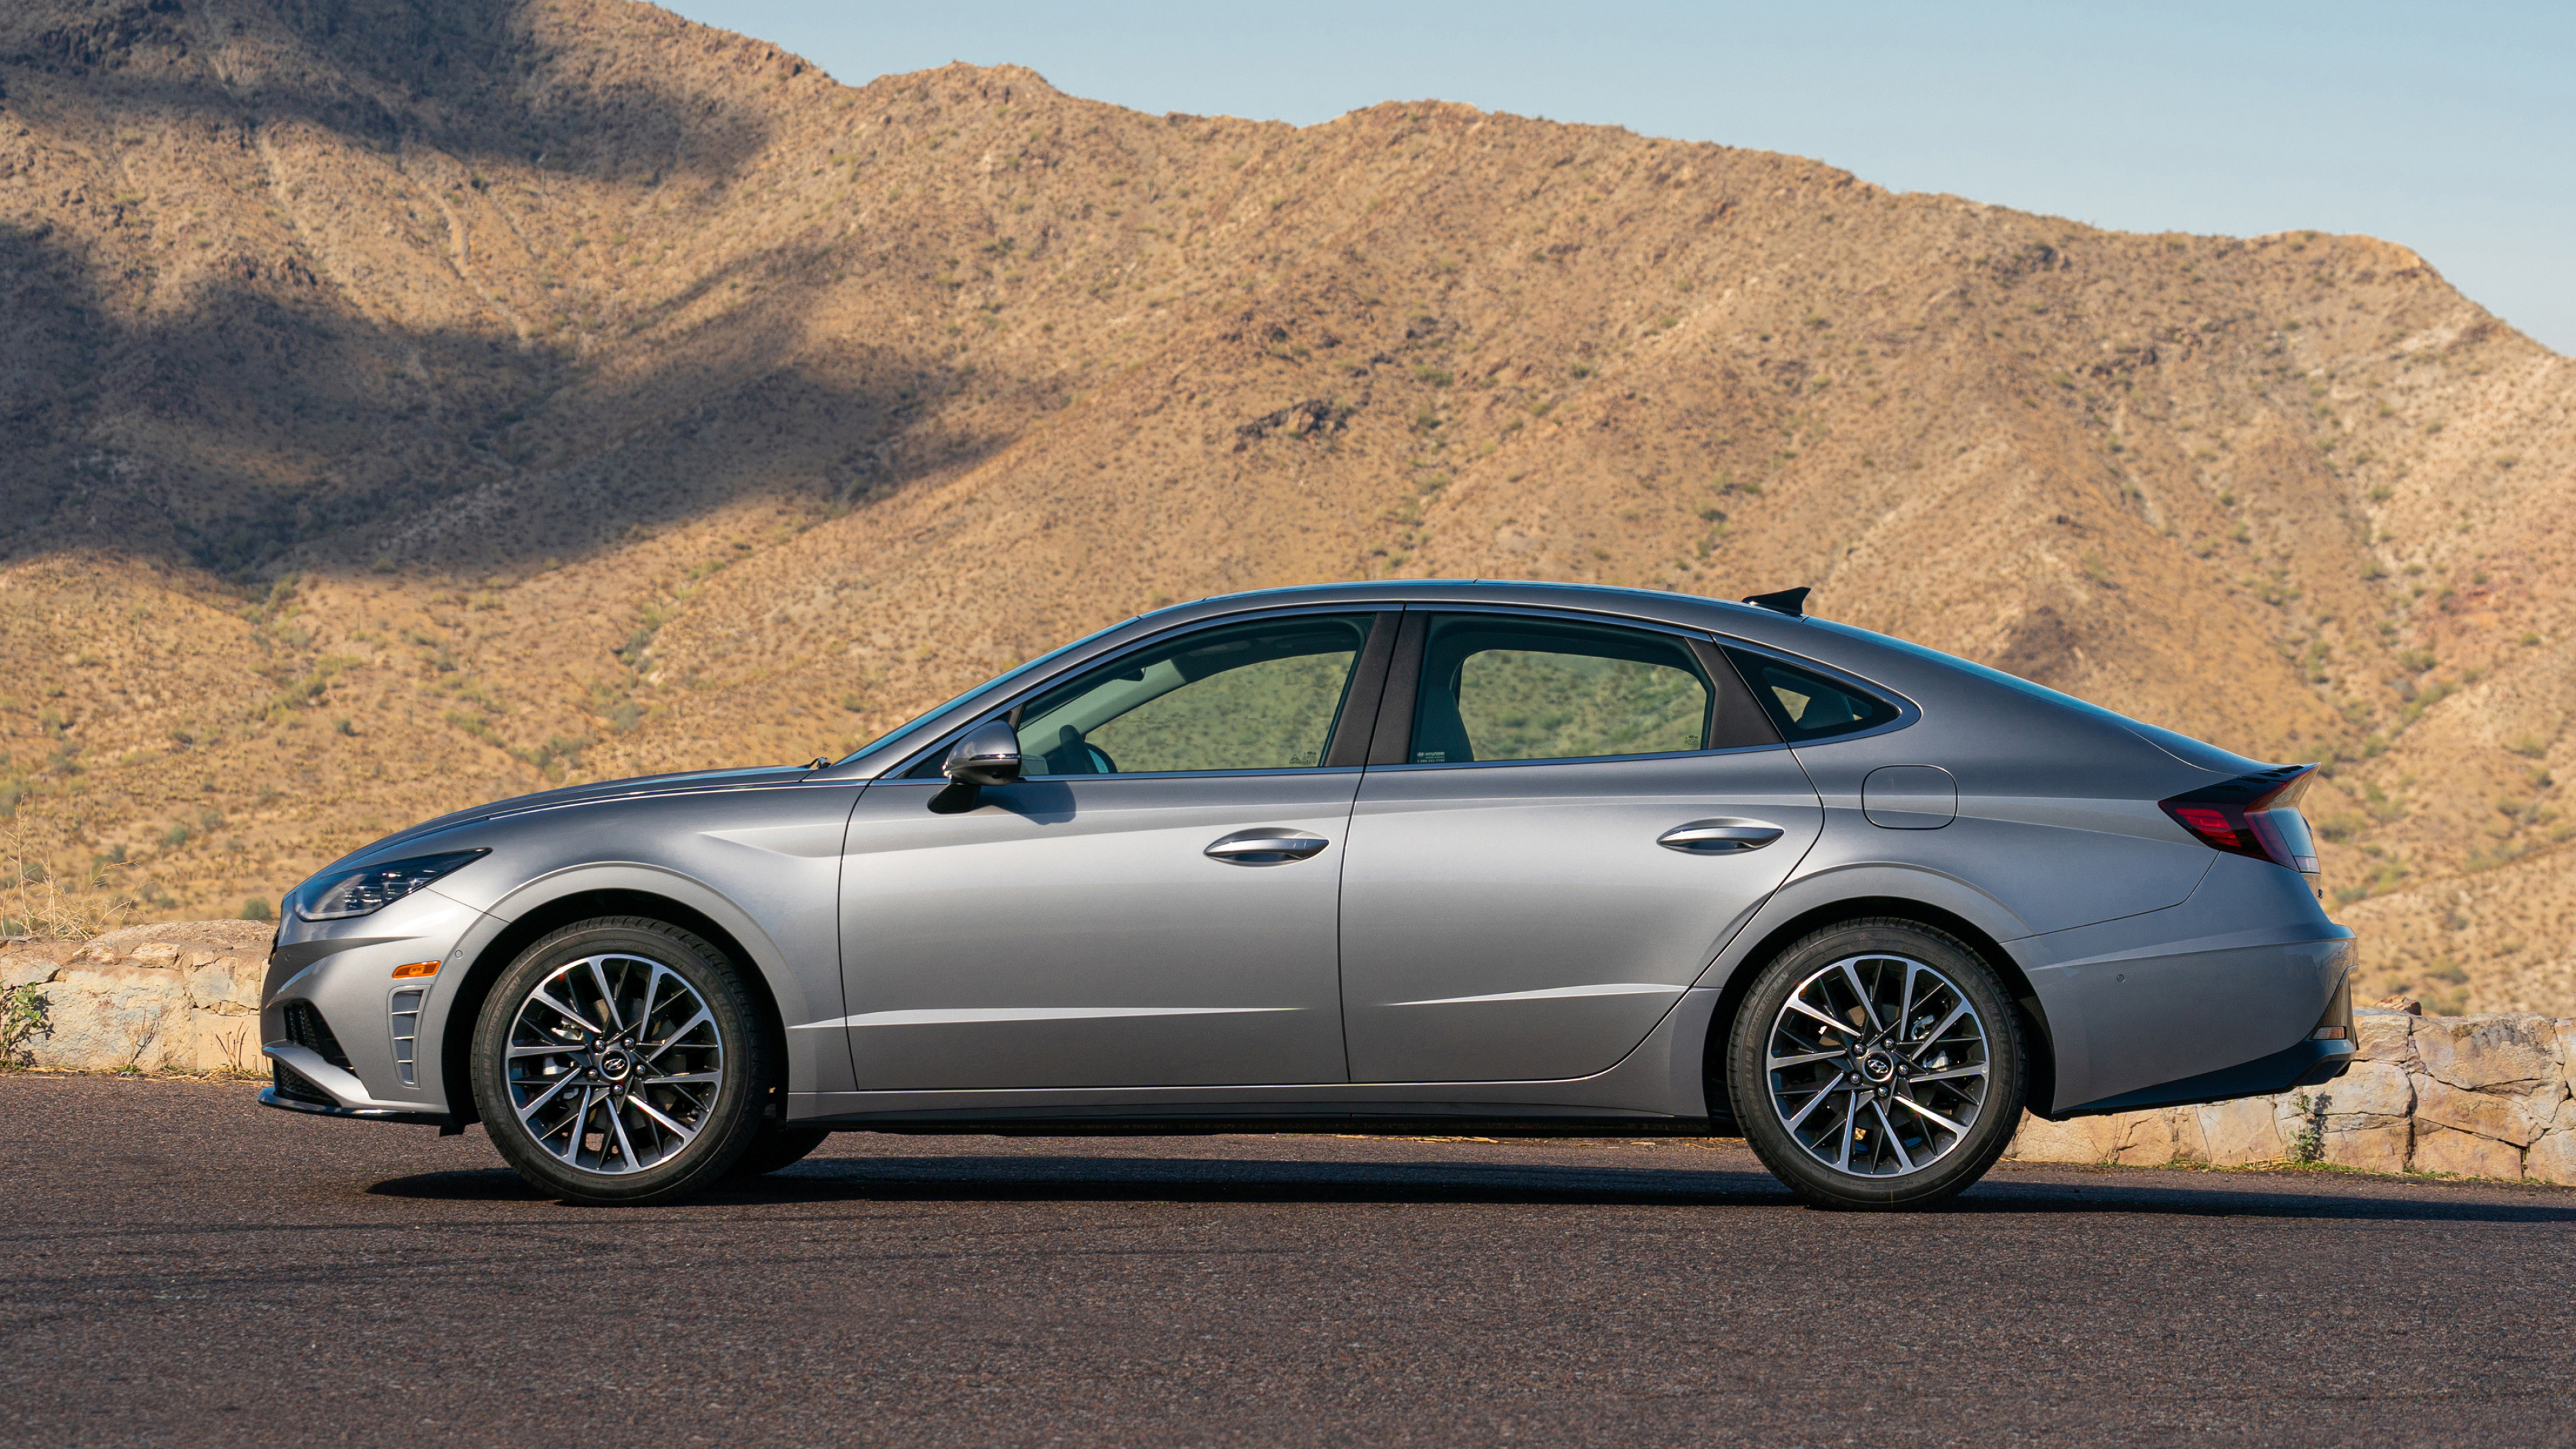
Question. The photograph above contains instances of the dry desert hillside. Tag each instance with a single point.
(407, 404)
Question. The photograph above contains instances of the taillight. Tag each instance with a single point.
(2254, 815)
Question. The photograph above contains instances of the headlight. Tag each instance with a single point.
(372, 888)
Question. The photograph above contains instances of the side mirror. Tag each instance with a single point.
(988, 755)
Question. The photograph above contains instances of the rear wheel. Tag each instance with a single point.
(1878, 1064)
(619, 1061)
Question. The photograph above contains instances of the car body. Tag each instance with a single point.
(1543, 942)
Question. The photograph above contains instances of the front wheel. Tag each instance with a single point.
(620, 1062)
(778, 1146)
(1878, 1064)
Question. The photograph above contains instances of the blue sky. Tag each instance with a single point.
(2449, 128)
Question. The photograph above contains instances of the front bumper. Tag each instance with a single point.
(347, 1037)
(302, 1081)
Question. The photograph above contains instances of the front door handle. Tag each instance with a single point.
(1719, 837)
(1268, 845)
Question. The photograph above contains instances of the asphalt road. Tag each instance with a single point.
(180, 1266)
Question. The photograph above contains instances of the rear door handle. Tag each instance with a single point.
(1268, 845)
(1719, 837)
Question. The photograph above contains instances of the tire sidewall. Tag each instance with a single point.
(737, 1115)
(1748, 1084)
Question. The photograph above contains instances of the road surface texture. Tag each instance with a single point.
(184, 1267)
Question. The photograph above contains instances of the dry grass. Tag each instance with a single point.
(37, 857)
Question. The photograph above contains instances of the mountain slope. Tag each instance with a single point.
(574, 390)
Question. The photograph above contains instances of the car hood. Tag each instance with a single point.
(683, 783)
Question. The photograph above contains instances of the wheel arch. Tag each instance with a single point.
(456, 1045)
(1771, 937)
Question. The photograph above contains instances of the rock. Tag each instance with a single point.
(223, 1043)
(108, 1017)
(2154, 1138)
(227, 983)
(2439, 1149)
(2516, 1052)
(2242, 1131)
(2407, 1004)
(2382, 1036)
(29, 964)
(2507, 1118)
(239, 938)
(2085, 1139)
(2368, 1094)
(158, 953)
(2552, 1159)
(2382, 1148)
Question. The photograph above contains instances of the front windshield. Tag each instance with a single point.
(904, 731)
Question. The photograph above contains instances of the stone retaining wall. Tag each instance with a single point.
(2486, 1096)
(179, 997)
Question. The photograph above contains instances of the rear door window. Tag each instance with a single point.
(1499, 687)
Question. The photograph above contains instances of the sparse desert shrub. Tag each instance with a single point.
(22, 1019)
(256, 909)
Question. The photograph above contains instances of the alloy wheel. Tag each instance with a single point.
(1878, 1066)
(614, 1063)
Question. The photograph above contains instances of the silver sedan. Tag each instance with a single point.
(1400, 857)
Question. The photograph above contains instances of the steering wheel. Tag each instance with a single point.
(1101, 764)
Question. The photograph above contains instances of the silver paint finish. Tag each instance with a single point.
(2241, 970)
(1909, 797)
(1075, 932)
(755, 853)
(1508, 940)
(1486, 906)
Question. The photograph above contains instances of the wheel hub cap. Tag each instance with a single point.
(1877, 1066)
(615, 1064)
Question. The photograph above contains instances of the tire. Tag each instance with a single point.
(775, 1146)
(1855, 1110)
(610, 1008)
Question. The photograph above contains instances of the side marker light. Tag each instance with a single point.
(415, 968)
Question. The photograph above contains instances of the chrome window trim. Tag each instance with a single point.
(1578, 759)
(1153, 775)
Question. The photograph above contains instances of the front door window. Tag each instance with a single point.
(1258, 696)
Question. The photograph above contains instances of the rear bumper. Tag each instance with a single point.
(2324, 1056)
(2309, 1064)
(2181, 1004)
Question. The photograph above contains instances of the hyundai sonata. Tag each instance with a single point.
(1398, 857)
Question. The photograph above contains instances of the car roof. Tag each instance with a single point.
(1689, 609)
